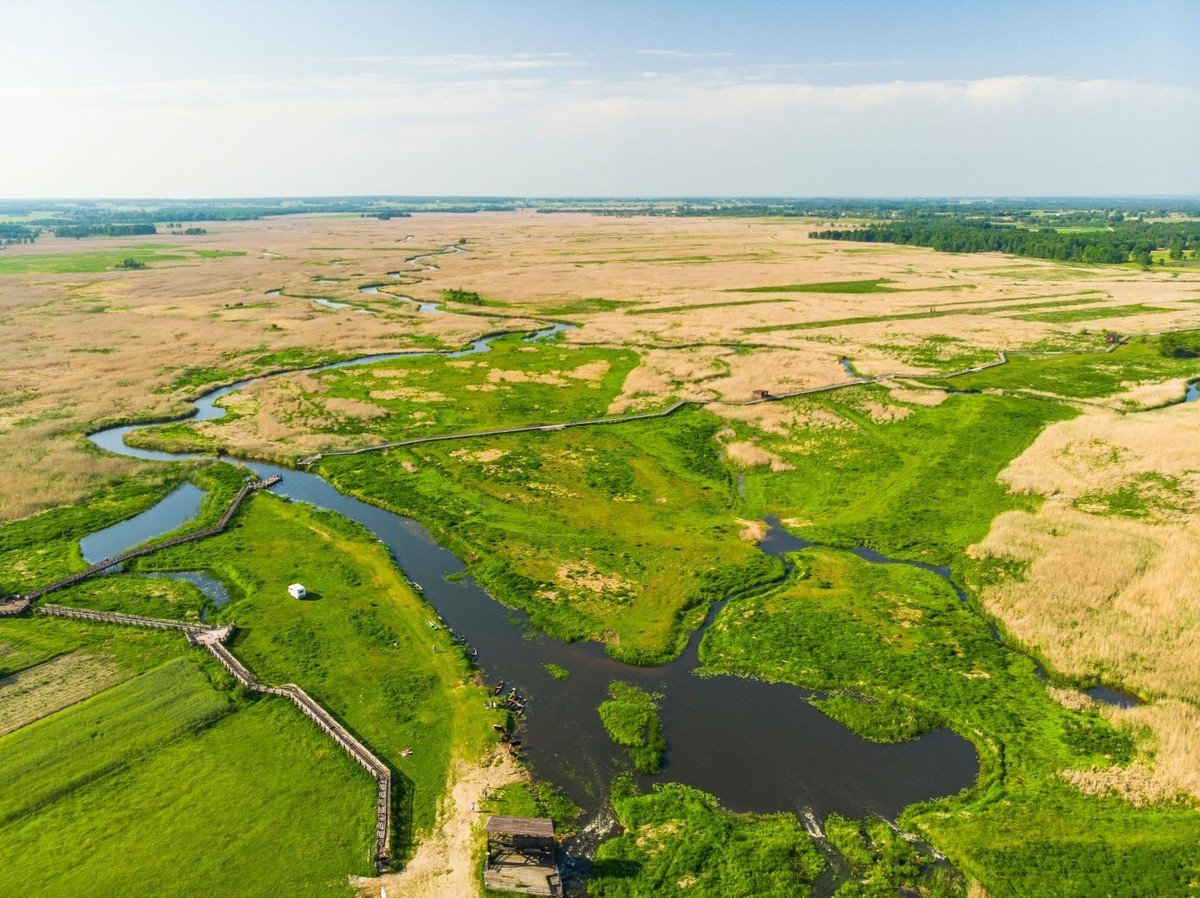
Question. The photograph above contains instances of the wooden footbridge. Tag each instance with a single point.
(98, 567)
(213, 639)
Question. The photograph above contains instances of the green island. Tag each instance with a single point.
(630, 716)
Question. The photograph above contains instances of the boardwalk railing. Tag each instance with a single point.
(117, 617)
(214, 640)
(78, 576)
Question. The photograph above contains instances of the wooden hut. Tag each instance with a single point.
(521, 856)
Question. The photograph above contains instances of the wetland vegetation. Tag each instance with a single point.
(625, 535)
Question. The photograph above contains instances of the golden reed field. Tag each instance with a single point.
(98, 346)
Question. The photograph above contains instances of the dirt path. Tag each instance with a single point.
(445, 863)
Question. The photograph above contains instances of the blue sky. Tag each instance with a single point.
(699, 98)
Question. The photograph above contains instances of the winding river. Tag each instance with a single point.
(756, 746)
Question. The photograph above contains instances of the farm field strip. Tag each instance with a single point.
(40, 691)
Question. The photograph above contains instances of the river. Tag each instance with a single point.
(756, 746)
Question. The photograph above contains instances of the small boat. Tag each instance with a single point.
(432, 625)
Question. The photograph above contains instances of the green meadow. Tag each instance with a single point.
(107, 260)
(358, 643)
(621, 534)
(170, 782)
(1079, 375)
(516, 383)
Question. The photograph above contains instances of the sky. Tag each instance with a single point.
(690, 98)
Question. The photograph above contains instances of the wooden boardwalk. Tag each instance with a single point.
(78, 576)
(213, 639)
(306, 461)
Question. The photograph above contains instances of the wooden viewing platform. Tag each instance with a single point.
(521, 856)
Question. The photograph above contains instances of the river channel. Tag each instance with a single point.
(756, 746)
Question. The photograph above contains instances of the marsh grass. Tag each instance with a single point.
(620, 534)
(898, 633)
(630, 717)
(678, 839)
(515, 383)
(1079, 375)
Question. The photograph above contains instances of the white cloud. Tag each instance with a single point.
(440, 127)
(472, 62)
(683, 54)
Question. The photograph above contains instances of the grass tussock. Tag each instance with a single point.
(630, 717)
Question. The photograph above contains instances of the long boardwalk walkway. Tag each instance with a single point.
(213, 639)
(625, 419)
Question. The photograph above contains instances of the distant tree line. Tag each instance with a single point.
(17, 233)
(105, 230)
(1120, 243)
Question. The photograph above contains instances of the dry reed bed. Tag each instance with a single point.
(1108, 595)
(88, 348)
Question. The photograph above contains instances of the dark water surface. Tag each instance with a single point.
(756, 746)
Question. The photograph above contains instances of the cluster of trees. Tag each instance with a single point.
(131, 264)
(17, 233)
(387, 215)
(179, 230)
(1180, 345)
(466, 297)
(1121, 243)
(105, 230)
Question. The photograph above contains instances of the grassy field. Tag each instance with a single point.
(107, 260)
(57, 755)
(615, 533)
(237, 808)
(914, 481)
(970, 311)
(516, 383)
(168, 782)
(1079, 375)
(1068, 316)
(358, 644)
(899, 634)
(678, 840)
